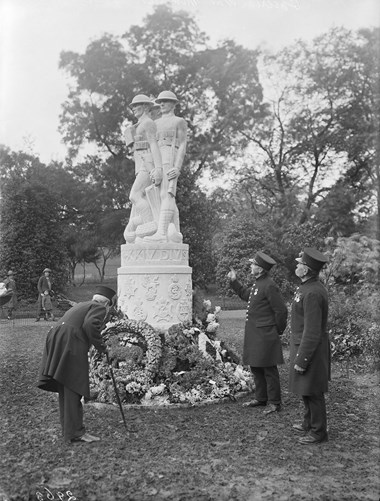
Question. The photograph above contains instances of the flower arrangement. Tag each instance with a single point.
(186, 364)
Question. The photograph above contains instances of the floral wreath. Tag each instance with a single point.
(138, 333)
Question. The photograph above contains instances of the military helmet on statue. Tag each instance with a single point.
(166, 95)
(141, 99)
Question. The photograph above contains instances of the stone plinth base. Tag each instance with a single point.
(154, 283)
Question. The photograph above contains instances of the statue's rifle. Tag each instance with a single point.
(172, 160)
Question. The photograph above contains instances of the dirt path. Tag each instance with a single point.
(218, 452)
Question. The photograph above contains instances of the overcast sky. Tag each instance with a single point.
(34, 32)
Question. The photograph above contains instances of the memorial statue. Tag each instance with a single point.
(171, 139)
(148, 169)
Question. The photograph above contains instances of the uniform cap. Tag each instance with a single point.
(312, 258)
(10, 272)
(47, 269)
(141, 99)
(105, 291)
(263, 260)
(166, 95)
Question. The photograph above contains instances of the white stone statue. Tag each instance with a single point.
(148, 169)
(171, 139)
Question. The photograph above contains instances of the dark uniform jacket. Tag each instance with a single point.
(309, 343)
(265, 322)
(65, 356)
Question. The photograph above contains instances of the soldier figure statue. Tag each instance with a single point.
(148, 169)
(171, 139)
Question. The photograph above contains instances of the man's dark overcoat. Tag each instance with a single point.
(65, 356)
(309, 342)
(265, 322)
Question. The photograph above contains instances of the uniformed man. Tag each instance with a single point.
(148, 169)
(64, 368)
(310, 347)
(265, 322)
(172, 140)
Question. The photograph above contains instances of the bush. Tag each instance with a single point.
(354, 324)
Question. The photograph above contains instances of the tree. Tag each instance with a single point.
(243, 237)
(218, 88)
(306, 144)
(31, 235)
(199, 219)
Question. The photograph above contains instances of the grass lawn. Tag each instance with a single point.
(216, 452)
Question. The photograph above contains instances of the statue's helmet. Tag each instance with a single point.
(166, 95)
(141, 99)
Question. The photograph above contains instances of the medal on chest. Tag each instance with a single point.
(297, 295)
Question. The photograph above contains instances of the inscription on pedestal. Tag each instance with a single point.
(154, 283)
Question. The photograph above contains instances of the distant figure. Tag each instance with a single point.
(265, 322)
(309, 371)
(10, 285)
(172, 140)
(44, 287)
(47, 306)
(64, 368)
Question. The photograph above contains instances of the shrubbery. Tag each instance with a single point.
(354, 324)
(352, 279)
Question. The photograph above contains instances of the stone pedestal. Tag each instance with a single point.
(154, 283)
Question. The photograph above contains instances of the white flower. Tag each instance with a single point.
(212, 327)
(210, 318)
(207, 304)
(158, 390)
(217, 309)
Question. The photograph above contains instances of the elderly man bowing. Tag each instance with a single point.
(64, 368)
(265, 322)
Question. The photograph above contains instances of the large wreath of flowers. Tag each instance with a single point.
(187, 364)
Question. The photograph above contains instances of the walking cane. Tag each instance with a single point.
(116, 391)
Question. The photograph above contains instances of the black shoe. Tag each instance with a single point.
(254, 403)
(37, 320)
(298, 428)
(309, 439)
(272, 408)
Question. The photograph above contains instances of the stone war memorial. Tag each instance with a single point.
(154, 280)
(162, 352)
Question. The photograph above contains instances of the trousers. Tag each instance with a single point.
(315, 416)
(70, 413)
(267, 384)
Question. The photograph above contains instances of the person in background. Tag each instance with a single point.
(44, 287)
(47, 306)
(10, 285)
(65, 368)
(310, 347)
(265, 322)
